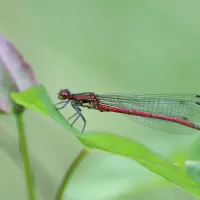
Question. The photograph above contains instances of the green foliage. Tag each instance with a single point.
(37, 99)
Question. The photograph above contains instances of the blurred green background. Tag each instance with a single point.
(134, 47)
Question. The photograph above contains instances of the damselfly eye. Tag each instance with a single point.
(64, 94)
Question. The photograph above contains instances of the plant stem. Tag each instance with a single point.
(70, 172)
(25, 157)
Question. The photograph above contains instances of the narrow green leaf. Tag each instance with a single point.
(144, 156)
(37, 99)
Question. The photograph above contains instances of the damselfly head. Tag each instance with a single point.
(64, 94)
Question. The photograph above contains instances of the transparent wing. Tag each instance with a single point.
(182, 106)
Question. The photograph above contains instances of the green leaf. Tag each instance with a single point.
(144, 156)
(37, 99)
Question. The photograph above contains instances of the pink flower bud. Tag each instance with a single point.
(15, 75)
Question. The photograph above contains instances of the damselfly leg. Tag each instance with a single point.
(78, 112)
(62, 102)
(77, 109)
(72, 116)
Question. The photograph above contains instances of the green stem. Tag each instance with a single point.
(70, 172)
(25, 157)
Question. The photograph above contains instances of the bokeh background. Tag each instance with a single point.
(133, 47)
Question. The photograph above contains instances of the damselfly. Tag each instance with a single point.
(165, 112)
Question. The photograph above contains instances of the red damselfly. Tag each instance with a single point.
(177, 113)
